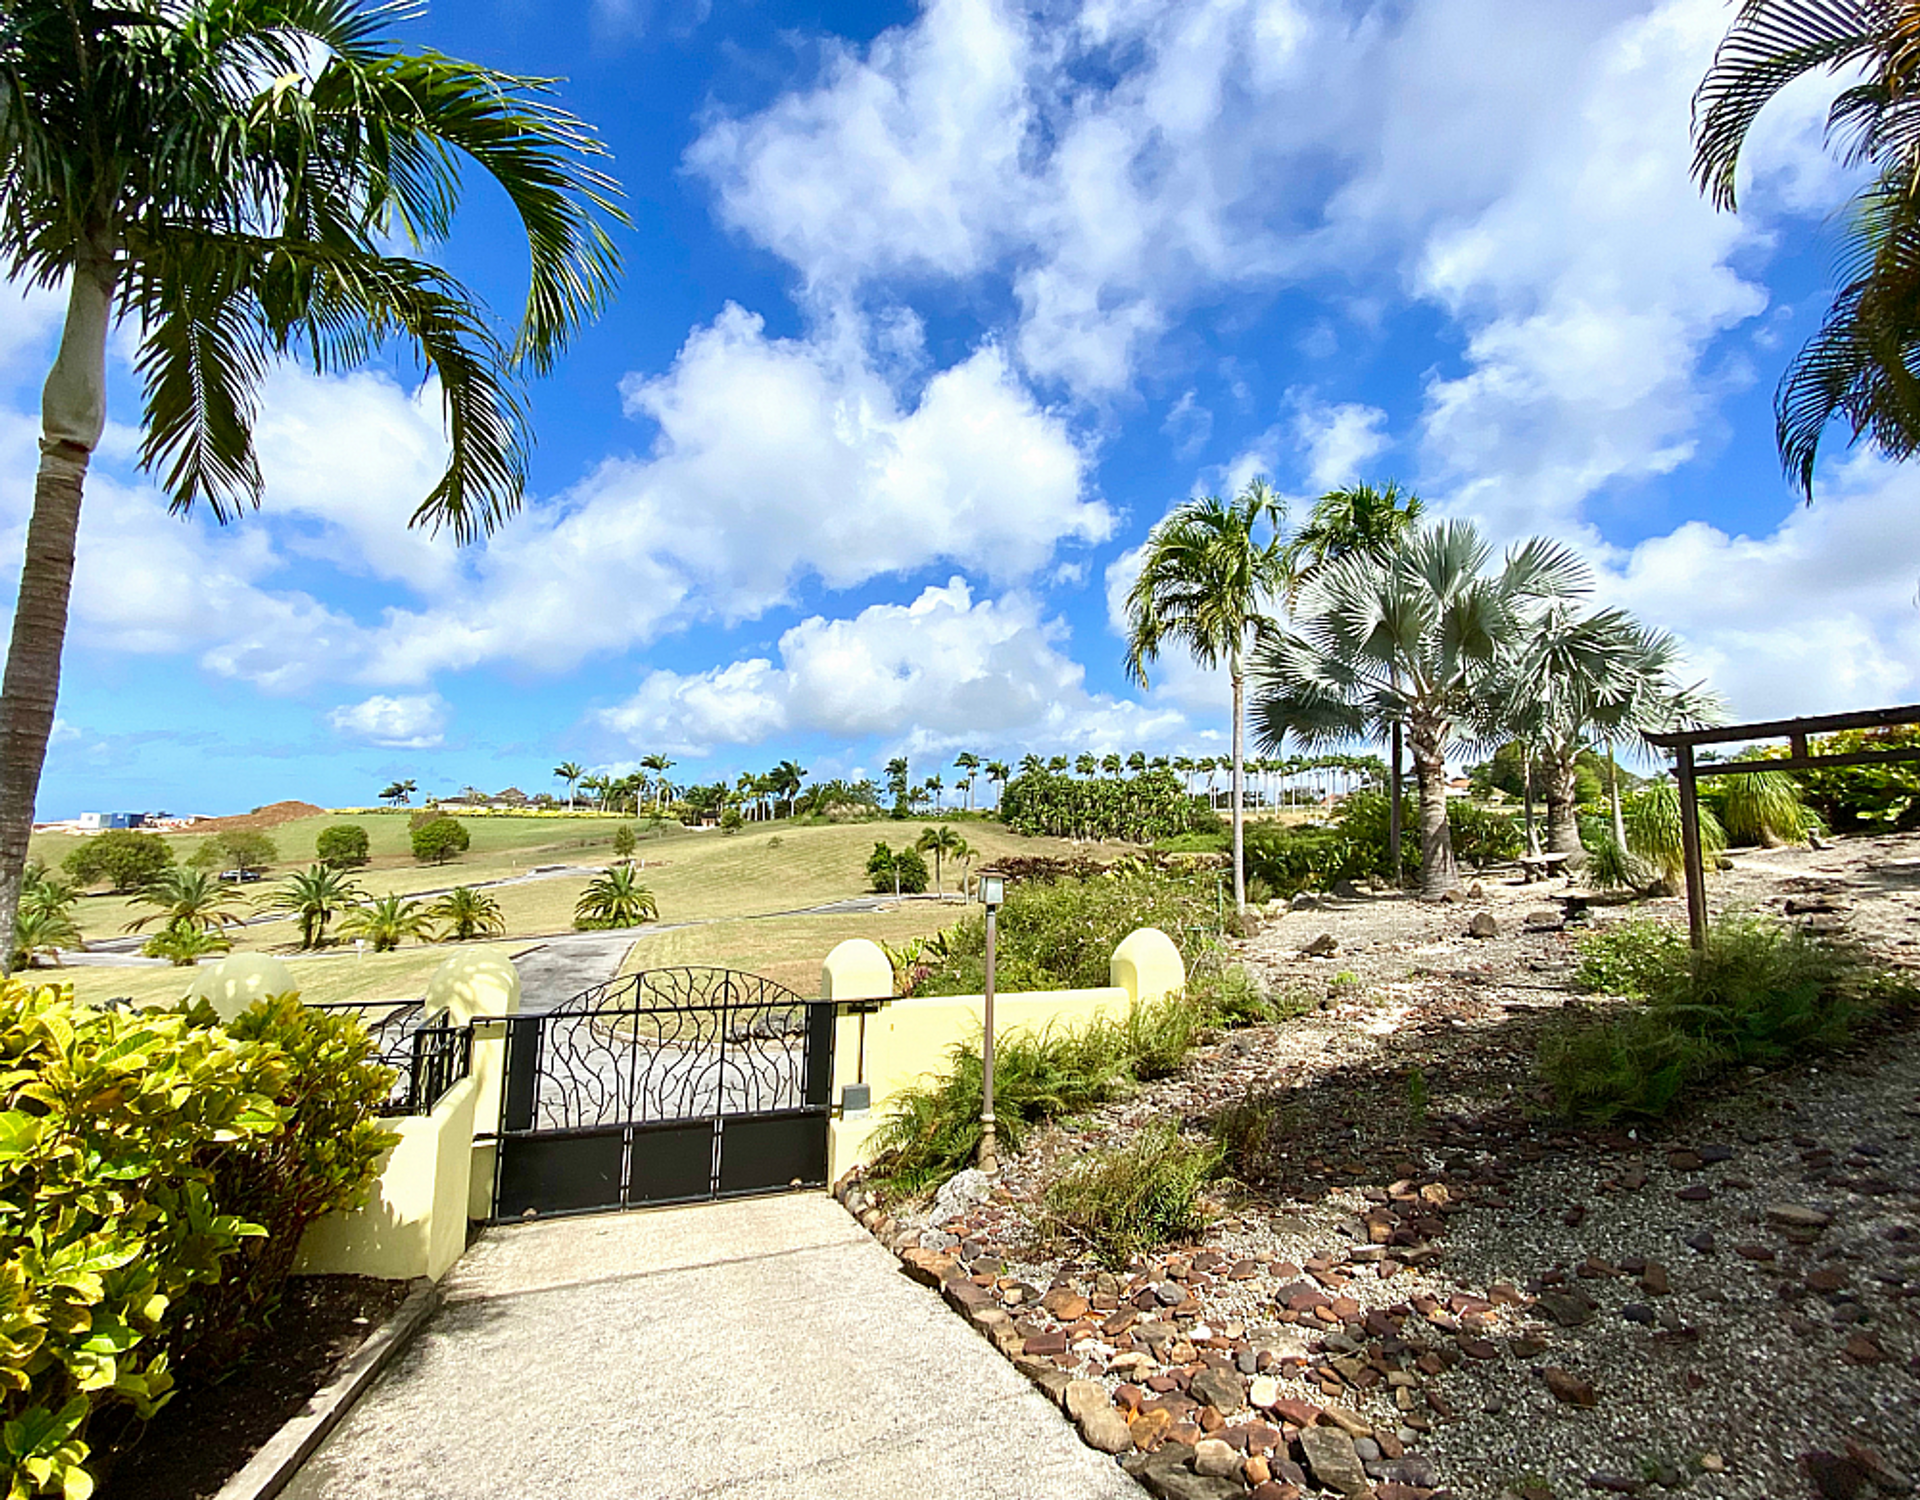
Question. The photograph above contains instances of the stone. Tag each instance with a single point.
(1834, 1476)
(1218, 1388)
(1324, 946)
(1083, 1396)
(1166, 1475)
(1482, 925)
(1169, 1294)
(1569, 1387)
(1614, 1484)
(1149, 1425)
(1329, 1455)
(928, 1267)
(1654, 1280)
(1215, 1459)
(1264, 1391)
(1701, 1241)
(1051, 1380)
(1878, 1469)
(1565, 1308)
(1351, 1423)
(1066, 1304)
(1794, 1216)
(964, 1190)
(1544, 919)
(1695, 1192)
(1298, 1413)
(1103, 1427)
(1418, 1472)
(1862, 1350)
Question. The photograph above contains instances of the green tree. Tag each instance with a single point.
(399, 793)
(343, 846)
(1416, 638)
(438, 839)
(41, 932)
(1209, 582)
(997, 773)
(247, 850)
(572, 773)
(623, 841)
(940, 842)
(125, 859)
(187, 898)
(659, 765)
(1860, 365)
(969, 765)
(465, 913)
(312, 897)
(897, 785)
(233, 178)
(387, 922)
(615, 899)
(183, 945)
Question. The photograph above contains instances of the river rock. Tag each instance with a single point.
(1330, 1455)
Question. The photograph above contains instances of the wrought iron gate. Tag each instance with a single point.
(668, 1086)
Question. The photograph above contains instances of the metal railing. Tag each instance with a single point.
(428, 1060)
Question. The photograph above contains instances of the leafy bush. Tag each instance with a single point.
(43, 922)
(1654, 832)
(440, 838)
(183, 944)
(466, 913)
(1363, 827)
(1760, 807)
(322, 1160)
(623, 841)
(122, 857)
(1061, 934)
(1885, 797)
(1761, 993)
(247, 850)
(1611, 868)
(343, 846)
(1135, 1197)
(1288, 861)
(1143, 807)
(1481, 836)
(113, 1130)
(901, 870)
(614, 899)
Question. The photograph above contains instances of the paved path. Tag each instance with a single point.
(765, 1348)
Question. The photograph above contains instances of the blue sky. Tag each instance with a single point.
(929, 314)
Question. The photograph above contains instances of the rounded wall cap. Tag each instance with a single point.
(234, 983)
(474, 984)
(857, 969)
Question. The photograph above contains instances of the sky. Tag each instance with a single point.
(929, 314)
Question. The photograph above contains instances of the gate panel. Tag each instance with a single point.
(668, 1086)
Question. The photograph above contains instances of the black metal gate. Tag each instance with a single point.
(668, 1086)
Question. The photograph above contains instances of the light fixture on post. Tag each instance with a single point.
(992, 892)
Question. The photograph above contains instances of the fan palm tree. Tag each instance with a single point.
(938, 842)
(1860, 365)
(1209, 582)
(465, 913)
(1414, 637)
(615, 899)
(237, 181)
(387, 922)
(312, 897)
(187, 898)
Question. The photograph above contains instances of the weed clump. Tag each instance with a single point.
(1123, 1202)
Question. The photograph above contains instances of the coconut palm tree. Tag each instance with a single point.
(189, 898)
(312, 897)
(1860, 365)
(939, 842)
(615, 899)
(659, 765)
(387, 922)
(238, 181)
(465, 913)
(400, 793)
(1210, 582)
(1414, 637)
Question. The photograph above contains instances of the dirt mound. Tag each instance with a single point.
(270, 816)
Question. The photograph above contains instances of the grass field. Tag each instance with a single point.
(698, 876)
(329, 977)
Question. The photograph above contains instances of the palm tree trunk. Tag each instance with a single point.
(1526, 791)
(1613, 796)
(1393, 808)
(1438, 873)
(73, 415)
(1239, 734)
(1563, 820)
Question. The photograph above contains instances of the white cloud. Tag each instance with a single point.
(413, 722)
(1338, 441)
(941, 671)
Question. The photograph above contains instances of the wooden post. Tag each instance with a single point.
(1690, 848)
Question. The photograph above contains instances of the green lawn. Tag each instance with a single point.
(376, 976)
(787, 949)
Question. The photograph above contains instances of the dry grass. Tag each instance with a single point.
(786, 949)
(377, 976)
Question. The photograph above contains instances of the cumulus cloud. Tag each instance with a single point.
(1338, 441)
(943, 670)
(412, 722)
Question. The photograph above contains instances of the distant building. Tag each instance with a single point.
(94, 822)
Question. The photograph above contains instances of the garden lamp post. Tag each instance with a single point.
(992, 891)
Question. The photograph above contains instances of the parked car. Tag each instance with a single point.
(242, 875)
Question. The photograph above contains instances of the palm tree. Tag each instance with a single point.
(1860, 364)
(1032, 765)
(1208, 581)
(659, 765)
(968, 762)
(1415, 638)
(41, 932)
(400, 793)
(313, 896)
(788, 778)
(939, 841)
(1137, 763)
(1085, 764)
(184, 945)
(998, 773)
(466, 913)
(236, 180)
(571, 772)
(388, 922)
(188, 898)
(1058, 764)
(615, 899)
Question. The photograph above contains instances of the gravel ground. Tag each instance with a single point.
(1476, 1302)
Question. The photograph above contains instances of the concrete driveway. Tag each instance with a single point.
(765, 1347)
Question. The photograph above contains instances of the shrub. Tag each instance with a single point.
(466, 913)
(615, 899)
(113, 1128)
(1652, 816)
(122, 857)
(1760, 993)
(1611, 868)
(1288, 861)
(1760, 807)
(183, 944)
(1883, 797)
(1481, 836)
(343, 846)
(1363, 826)
(1135, 1197)
(387, 922)
(244, 849)
(902, 870)
(322, 1160)
(623, 841)
(440, 838)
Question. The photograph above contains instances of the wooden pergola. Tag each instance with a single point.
(1795, 732)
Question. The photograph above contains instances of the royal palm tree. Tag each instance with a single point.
(189, 898)
(969, 764)
(387, 922)
(237, 181)
(1137, 763)
(659, 765)
(1414, 637)
(939, 842)
(1057, 764)
(571, 772)
(312, 897)
(788, 778)
(1209, 581)
(1085, 764)
(465, 913)
(998, 774)
(615, 899)
(400, 793)
(1860, 365)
